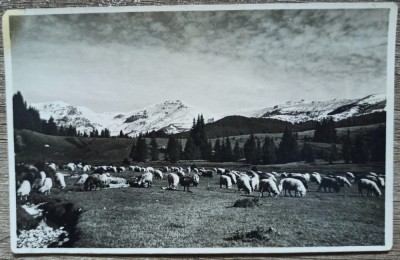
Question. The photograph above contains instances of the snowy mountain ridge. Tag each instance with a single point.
(175, 116)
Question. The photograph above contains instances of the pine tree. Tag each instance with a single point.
(333, 154)
(258, 151)
(288, 147)
(192, 152)
(121, 134)
(228, 150)
(173, 149)
(269, 151)
(154, 149)
(360, 150)
(236, 152)
(217, 151)
(132, 153)
(307, 153)
(346, 148)
(250, 152)
(141, 149)
(378, 144)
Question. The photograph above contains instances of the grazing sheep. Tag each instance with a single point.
(225, 180)
(370, 186)
(150, 169)
(349, 175)
(329, 183)
(232, 176)
(71, 167)
(301, 178)
(180, 173)
(24, 190)
(42, 178)
(255, 182)
(158, 175)
(343, 181)
(315, 177)
(264, 176)
(86, 168)
(146, 179)
(165, 169)
(186, 181)
(47, 185)
(243, 183)
(81, 180)
(219, 170)
(207, 174)
(307, 176)
(121, 169)
(92, 182)
(52, 166)
(60, 182)
(268, 185)
(373, 174)
(378, 180)
(104, 179)
(173, 180)
(289, 184)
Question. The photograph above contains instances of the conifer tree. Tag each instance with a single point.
(236, 152)
(141, 149)
(269, 151)
(154, 149)
(250, 152)
(360, 150)
(288, 147)
(346, 148)
(173, 149)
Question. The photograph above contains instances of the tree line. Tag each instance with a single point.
(26, 117)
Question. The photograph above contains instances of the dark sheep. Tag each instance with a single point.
(329, 183)
(207, 174)
(91, 183)
(187, 181)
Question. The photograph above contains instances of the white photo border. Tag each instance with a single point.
(172, 8)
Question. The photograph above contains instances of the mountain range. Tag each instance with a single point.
(176, 116)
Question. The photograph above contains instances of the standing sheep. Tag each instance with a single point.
(370, 186)
(243, 183)
(329, 183)
(146, 179)
(268, 185)
(81, 180)
(48, 184)
(343, 181)
(60, 180)
(158, 175)
(24, 190)
(289, 184)
(92, 182)
(173, 180)
(186, 181)
(225, 180)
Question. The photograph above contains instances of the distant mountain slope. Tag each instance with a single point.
(175, 117)
(169, 116)
(297, 112)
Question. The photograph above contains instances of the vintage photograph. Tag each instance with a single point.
(213, 129)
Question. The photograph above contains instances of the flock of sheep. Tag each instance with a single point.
(29, 178)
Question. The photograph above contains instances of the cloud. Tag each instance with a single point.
(220, 61)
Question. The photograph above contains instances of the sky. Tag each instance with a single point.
(219, 61)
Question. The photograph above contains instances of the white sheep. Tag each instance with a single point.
(104, 179)
(243, 183)
(232, 176)
(42, 178)
(373, 174)
(52, 166)
(370, 186)
(158, 174)
(81, 180)
(289, 184)
(86, 168)
(315, 177)
(71, 167)
(268, 185)
(60, 180)
(173, 181)
(48, 184)
(24, 190)
(225, 180)
(343, 180)
(180, 173)
(307, 176)
(255, 181)
(150, 169)
(349, 175)
(146, 179)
